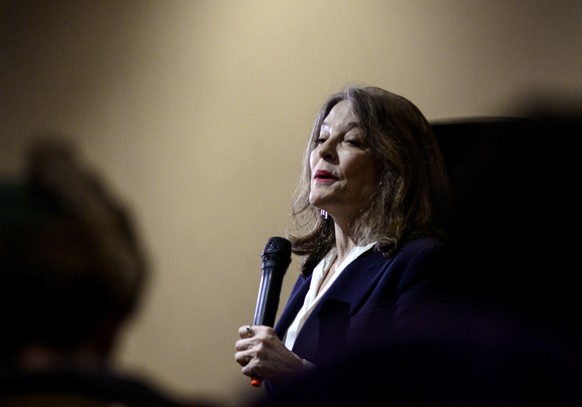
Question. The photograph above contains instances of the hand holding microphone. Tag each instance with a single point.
(276, 258)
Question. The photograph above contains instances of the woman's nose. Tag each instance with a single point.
(326, 150)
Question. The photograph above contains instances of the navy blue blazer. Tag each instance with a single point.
(374, 300)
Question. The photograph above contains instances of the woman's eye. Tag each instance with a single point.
(353, 142)
(320, 140)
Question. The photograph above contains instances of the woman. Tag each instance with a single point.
(369, 213)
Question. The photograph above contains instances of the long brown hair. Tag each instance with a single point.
(413, 195)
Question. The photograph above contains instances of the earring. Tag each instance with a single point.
(324, 213)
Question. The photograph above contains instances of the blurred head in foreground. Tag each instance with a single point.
(71, 267)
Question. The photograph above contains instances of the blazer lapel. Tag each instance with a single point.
(338, 304)
(294, 304)
(358, 279)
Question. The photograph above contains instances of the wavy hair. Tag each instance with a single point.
(413, 196)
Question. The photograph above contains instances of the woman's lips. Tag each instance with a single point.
(324, 175)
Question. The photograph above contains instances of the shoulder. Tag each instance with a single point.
(91, 387)
(418, 259)
(417, 248)
(423, 243)
(423, 253)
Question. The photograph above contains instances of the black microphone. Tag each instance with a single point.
(276, 258)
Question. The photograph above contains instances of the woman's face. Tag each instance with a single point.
(343, 171)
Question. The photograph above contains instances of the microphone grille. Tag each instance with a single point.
(277, 246)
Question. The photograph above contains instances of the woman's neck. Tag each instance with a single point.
(344, 243)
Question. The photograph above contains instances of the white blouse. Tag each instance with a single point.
(314, 295)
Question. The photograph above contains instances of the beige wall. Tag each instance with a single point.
(197, 111)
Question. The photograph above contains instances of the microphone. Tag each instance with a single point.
(276, 258)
